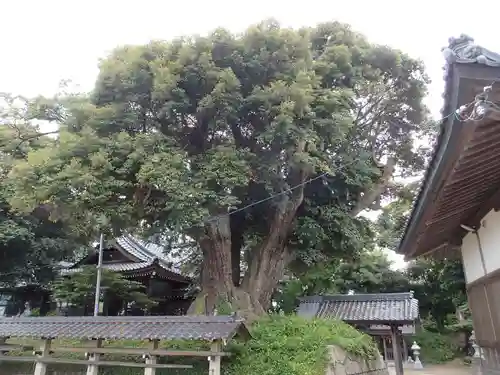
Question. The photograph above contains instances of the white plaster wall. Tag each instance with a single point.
(471, 258)
(489, 235)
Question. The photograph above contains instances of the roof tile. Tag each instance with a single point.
(115, 328)
(388, 307)
(116, 267)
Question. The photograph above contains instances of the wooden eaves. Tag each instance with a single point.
(463, 178)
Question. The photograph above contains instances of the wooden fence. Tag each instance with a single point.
(43, 357)
(215, 330)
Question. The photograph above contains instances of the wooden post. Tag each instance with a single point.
(214, 360)
(151, 359)
(396, 348)
(2, 341)
(405, 349)
(94, 369)
(41, 367)
(384, 342)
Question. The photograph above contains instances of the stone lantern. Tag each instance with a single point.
(477, 349)
(478, 353)
(416, 353)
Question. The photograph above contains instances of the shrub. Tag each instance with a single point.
(295, 346)
(35, 312)
(285, 345)
(435, 347)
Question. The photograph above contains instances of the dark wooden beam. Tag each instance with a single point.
(492, 203)
(452, 213)
(420, 213)
(456, 148)
(464, 82)
(477, 172)
(435, 249)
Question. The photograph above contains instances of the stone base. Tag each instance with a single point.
(343, 363)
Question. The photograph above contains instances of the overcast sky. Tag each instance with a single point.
(44, 42)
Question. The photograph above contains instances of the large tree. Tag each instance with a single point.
(30, 243)
(217, 138)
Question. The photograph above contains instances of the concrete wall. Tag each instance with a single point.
(481, 257)
(343, 363)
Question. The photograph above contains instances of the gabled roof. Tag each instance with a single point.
(139, 269)
(144, 251)
(462, 172)
(145, 257)
(383, 308)
(127, 327)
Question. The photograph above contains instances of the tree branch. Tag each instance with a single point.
(377, 190)
(33, 136)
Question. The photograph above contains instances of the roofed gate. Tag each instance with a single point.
(391, 314)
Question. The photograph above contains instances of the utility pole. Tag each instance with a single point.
(99, 275)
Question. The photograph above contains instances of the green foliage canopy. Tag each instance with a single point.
(30, 243)
(177, 134)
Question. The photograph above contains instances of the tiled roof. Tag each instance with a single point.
(116, 267)
(115, 328)
(382, 308)
(145, 251)
(145, 255)
(135, 268)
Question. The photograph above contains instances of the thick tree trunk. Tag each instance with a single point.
(216, 278)
(237, 242)
(220, 289)
(274, 264)
(220, 285)
(268, 262)
(219, 294)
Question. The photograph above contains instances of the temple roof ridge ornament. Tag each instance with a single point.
(463, 50)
